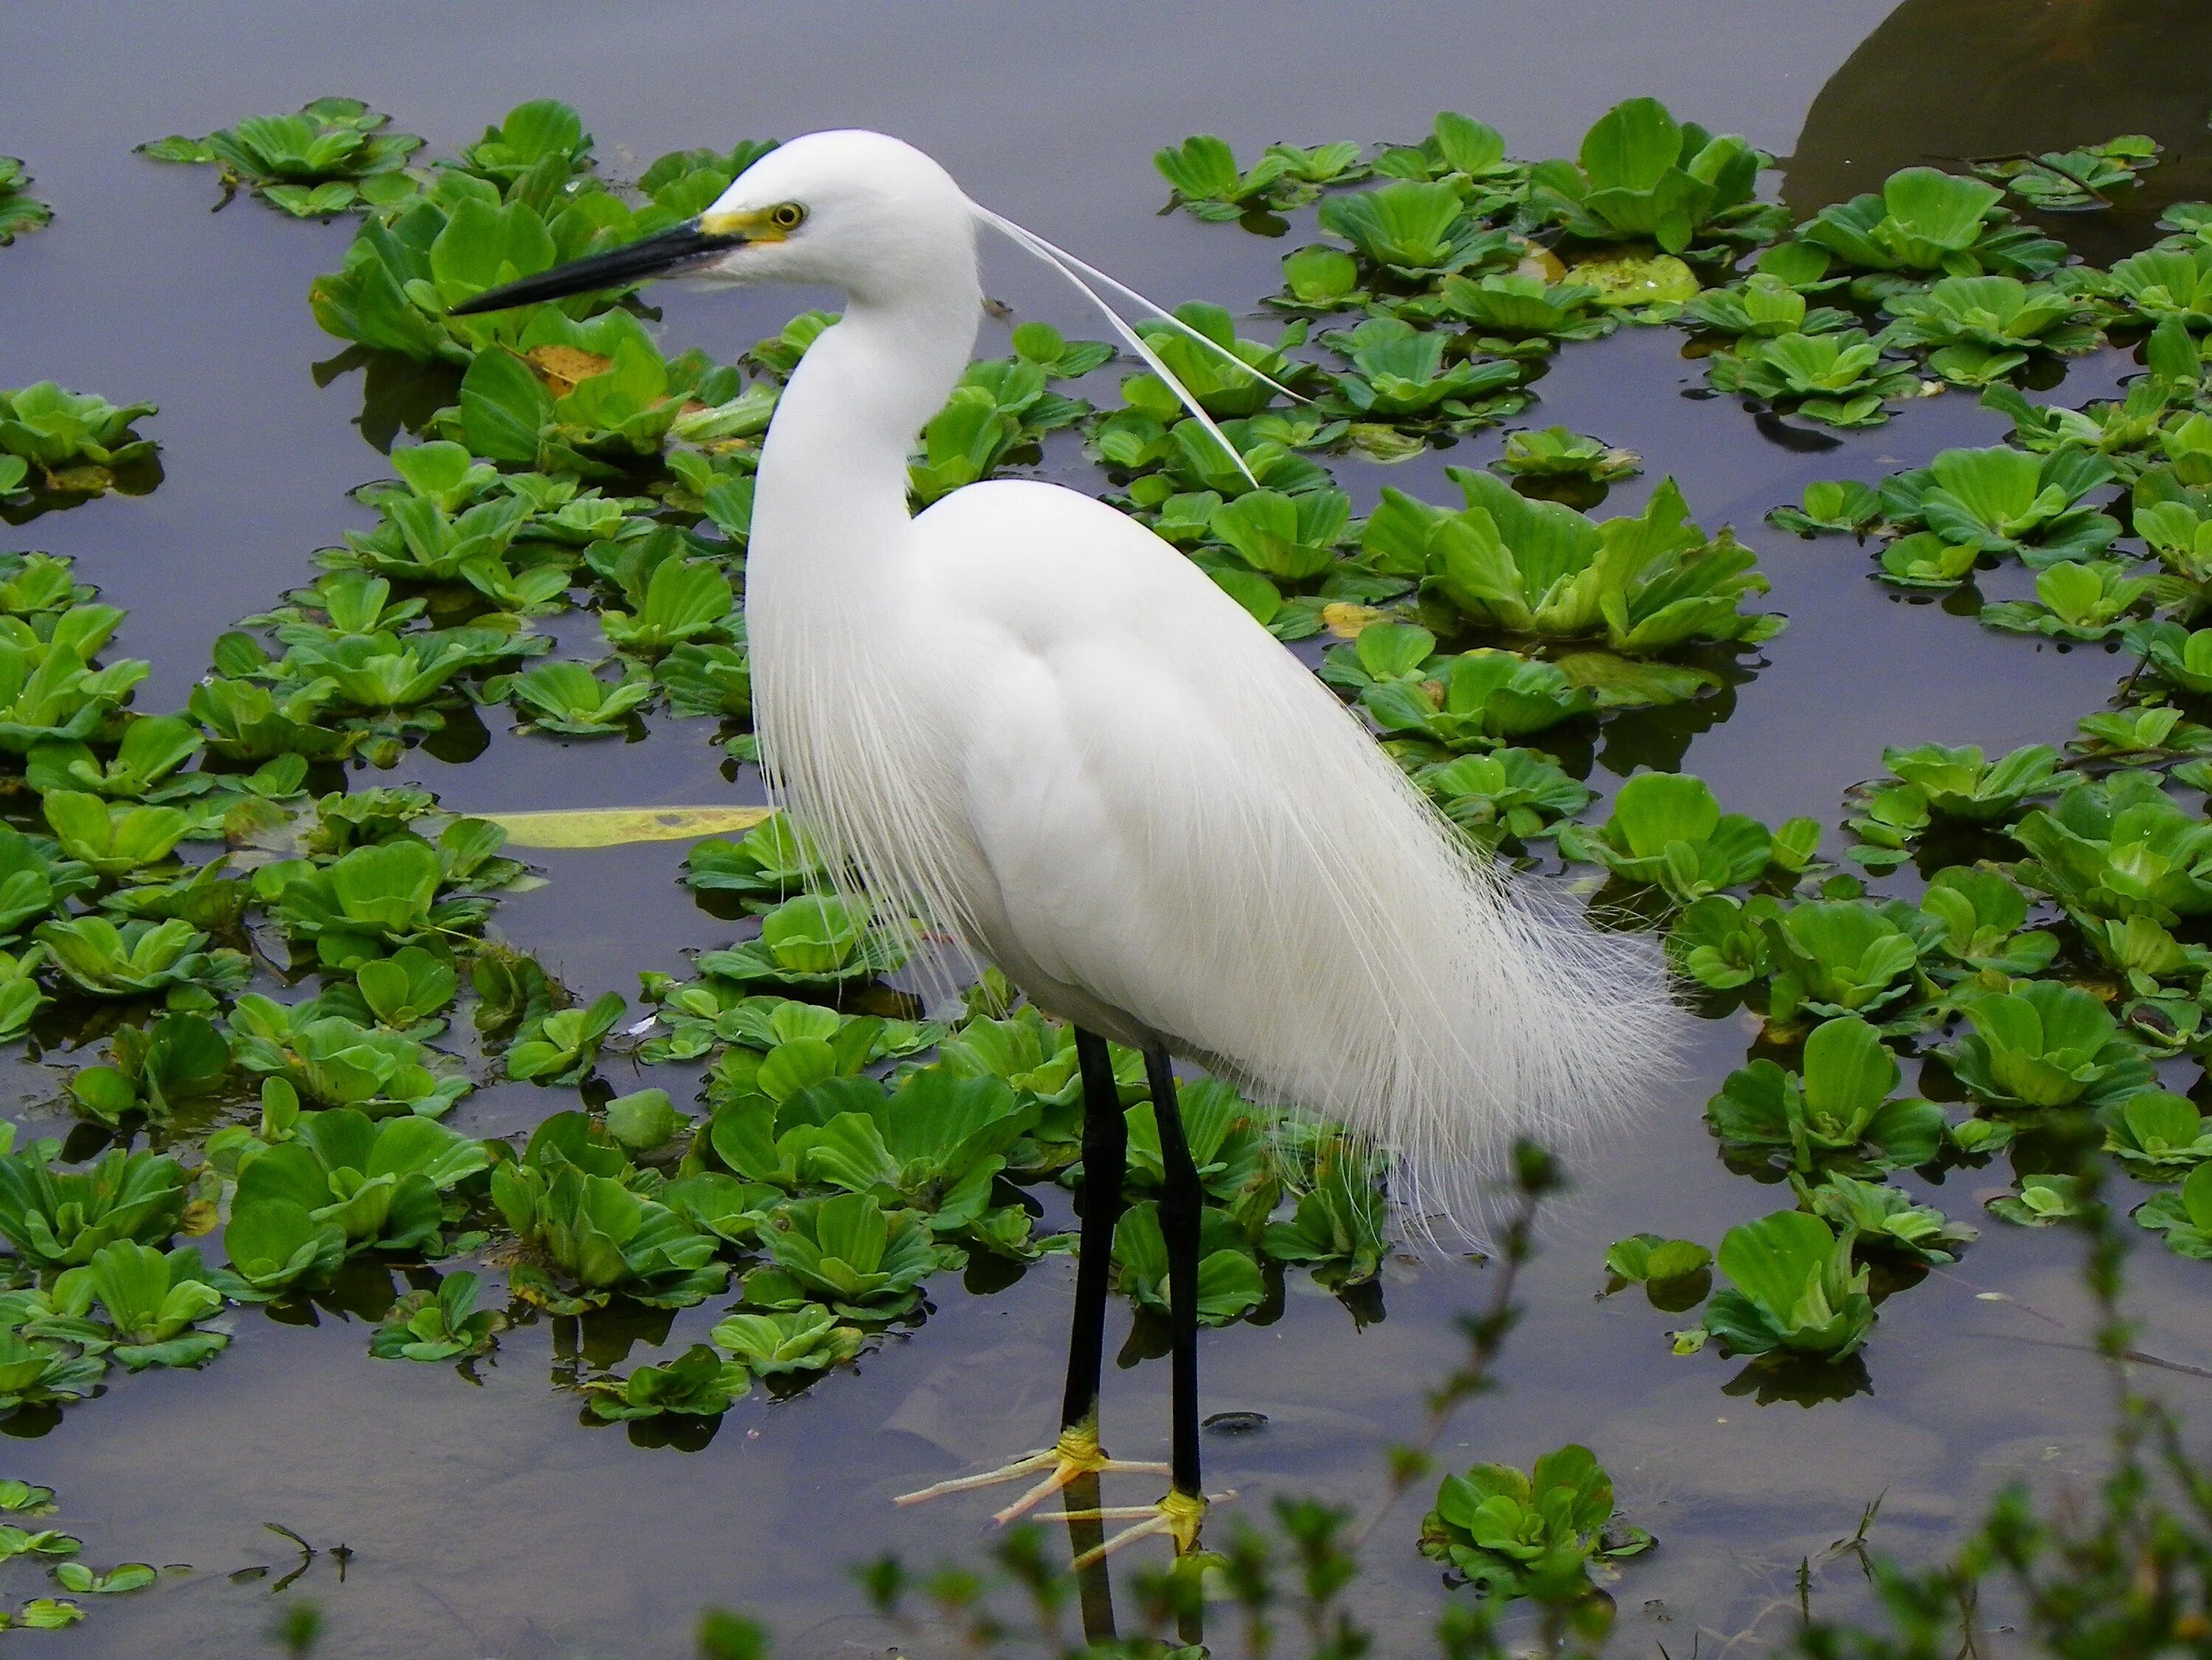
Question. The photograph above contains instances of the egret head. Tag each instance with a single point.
(854, 210)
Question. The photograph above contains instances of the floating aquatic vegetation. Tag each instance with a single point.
(865, 1262)
(1927, 223)
(2001, 500)
(698, 1383)
(1763, 306)
(1839, 1109)
(1839, 378)
(1206, 177)
(2043, 1044)
(2069, 181)
(1792, 1290)
(1977, 330)
(1885, 1221)
(1514, 1535)
(330, 157)
(20, 210)
(1666, 830)
(2075, 601)
(1229, 1281)
(2184, 1216)
(1674, 1272)
(444, 1324)
(76, 443)
(1641, 174)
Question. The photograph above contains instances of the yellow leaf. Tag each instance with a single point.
(561, 366)
(613, 826)
(1346, 620)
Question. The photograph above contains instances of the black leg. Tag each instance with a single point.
(1105, 1158)
(1179, 1212)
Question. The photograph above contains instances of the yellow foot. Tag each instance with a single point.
(1075, 1455)
(1179, 1515)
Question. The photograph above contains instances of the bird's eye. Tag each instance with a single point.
(786, 215)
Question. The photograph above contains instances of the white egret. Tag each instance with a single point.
(1025, 718)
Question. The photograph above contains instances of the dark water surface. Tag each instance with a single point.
(485, 1521)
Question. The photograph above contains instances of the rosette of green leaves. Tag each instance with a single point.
(865, 1262)
(2184, 1216)
(34, 880)
(336, 1061)
(1515, 794)
(444, 1324)
(1983, 920)
(1640, 174)
(1838, 379)
(20, 211)
(399, 281)
(683, 601)
(152, 1300)
(769, 863)
(1926, 223)
(2180, 656)
(2074, 601)
(1761, 305)
(813, 940)
(1415, 230)
(75, 441)
(2044, 1201)
(1839, 1107)
(1476, 700)
(2043, 1044)
(1666, 830)
(715, 681)
(382, 1183)
(1557, 452)
(1879, 1218)
(1977, 330)
(1840, 507)
(2164, 283)
(1836, 957)
(59, 1219)
(1231, 1283)
(1645, 583)
(330, 157)
(1519, 313)
(1963, 783)
(2002, 501)
(144, 767)
(2119, 848)
(570, 1196)
(116, 843)
(936, 1145)
(1206, 177)
(137, 959)
(568, 698)
(1399, 376)
(1675, 1273)
(46, 1372)
(245, 722)
(562, 1045)
(698, 1383)
(1537, 1535)
(174, 1059)
(2066, 181)
(1792, 1289)
(2157, 1134)
(49, 690)
(787, 1345)
(1223, 389)
(1336, 1227)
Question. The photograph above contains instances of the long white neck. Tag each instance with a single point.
(830, 508)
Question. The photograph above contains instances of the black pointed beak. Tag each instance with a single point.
(667, 253)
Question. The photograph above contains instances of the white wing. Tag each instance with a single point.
(1168, 827)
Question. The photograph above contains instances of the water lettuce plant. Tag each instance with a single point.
(1643, 583)
(2165, 283)
(1792, 1289)
(865, 1263)
(570, 699)
(1666, 829)
(812, 939)
(77, 441)
(1515, 1534)
(331, 156)
(1877, 1217)
(444, 1324)
(152, 1300)
(1414, 229)
(1399, 375)
(1928, 223)
(570, 1198)
(1476, 700)
(2002, 501)
(2075, 601)
(2157, 1134)
(1839, 1107)
(20, 210)
(787, 1345)
(1206, 177)
(2119, 848)
(2067, 181)
(1845, 956)
(1977, 330)
(1839, 378)
(1642, 175)
(1230, 1280)
(136, 958)
(382, 1183)
(59, 1219)
(1507, 793)
(2183, 1216)
(2044, 1201)
(698, 1383)
(2043, 1044)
